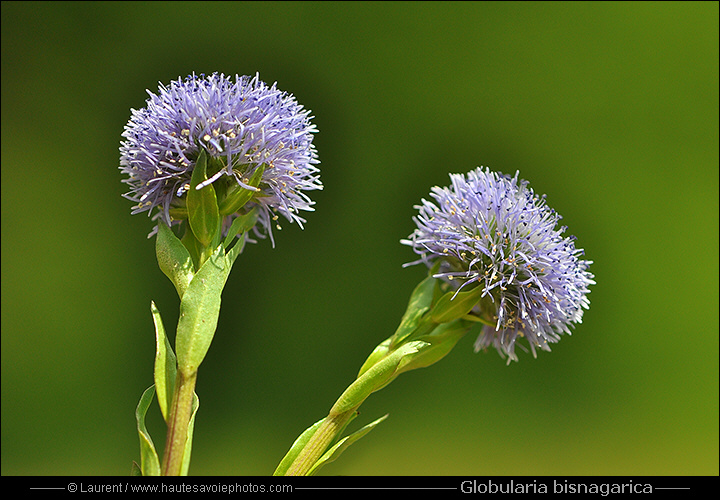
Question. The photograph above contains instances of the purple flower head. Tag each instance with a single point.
(243, 125)
(492, 231)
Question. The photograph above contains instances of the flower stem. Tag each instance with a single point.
(319, 442)
(378, 375)
(180, 414)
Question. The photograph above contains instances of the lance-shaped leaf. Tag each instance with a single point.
(418, 305)
(173, 258)
(165, 365)
(193, 246)
(188, 441)
(149, 461)
(377, 377)
(199, 311)
(236, 249)
(203, 213)
(296, 448)
(300, 443)
(333, 453)
(240, 226)
(454, 305)
(237, 196)
(414, 319)
(437, 344)
(378, 353)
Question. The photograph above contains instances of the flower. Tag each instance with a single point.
(491, 230)
(243, 125)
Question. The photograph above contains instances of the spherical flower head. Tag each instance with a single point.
(490, 230)
(243, 125)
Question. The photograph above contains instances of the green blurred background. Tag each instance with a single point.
(609, 108)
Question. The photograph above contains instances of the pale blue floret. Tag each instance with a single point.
(491, 230)
(241, 121)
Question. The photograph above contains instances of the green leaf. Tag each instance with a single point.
(199, 311)
(188, 440)
(454, 305)
(296, 448)
(135, 469)
(413, 321)
(241, 224)
(173, 258)
(418, 305)
(165, 365)
(150, 463)
(302, 441)
(437, 344)
(375, 378)
(333, 453)
(238, 196)
(203, 213)
(193, 246)
(378, 353)
(236, 250)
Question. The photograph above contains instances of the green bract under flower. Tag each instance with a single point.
(491, 231)
(258, 141)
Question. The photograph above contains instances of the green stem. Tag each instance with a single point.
(319, 442)
(180, 414)
(374, 378)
